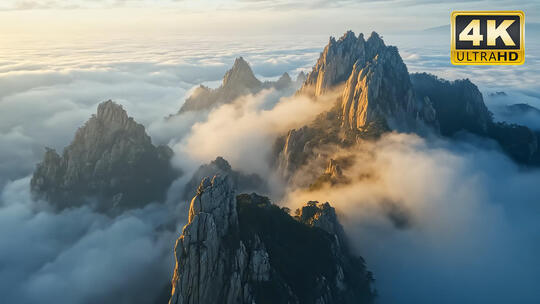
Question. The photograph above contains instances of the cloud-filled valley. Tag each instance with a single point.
(471, 212)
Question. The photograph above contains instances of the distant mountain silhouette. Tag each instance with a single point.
(238, 81)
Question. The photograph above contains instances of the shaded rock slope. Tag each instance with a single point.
(242, 182)
(378, 95)
(111, 163)
(459, 106)
(243, 249)
(237, 82)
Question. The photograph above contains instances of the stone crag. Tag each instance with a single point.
(238, 81)
(111, 163)
(243, 249)
(378, 96)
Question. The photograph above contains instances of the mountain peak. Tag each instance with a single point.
(301, 77)
(338, 59)
(324, 216)
(112, 159)
(239, 80)
(230, 250)
(374, 45)
(283, 82)
(111, 112)
(374, 36)
(240, 61)
(285, 77)
(240, 75)
(335, 63)
(349, 35)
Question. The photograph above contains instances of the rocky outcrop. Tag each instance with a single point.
(111, 163)
(292, 150)
(237, 82)
(335, 63)
(242, 182)
(283, 82)
(300, 79)
(323, 216)
(240, 75)
(379, 95)
(459, 106)
(333, 175)
(379, 90)
(207, 268)
(244, 249)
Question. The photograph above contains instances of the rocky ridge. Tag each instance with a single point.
(111, 162)
(459, 106)
(243, 249)
(237, 82)
(379, 95)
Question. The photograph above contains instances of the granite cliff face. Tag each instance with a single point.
(336, 62)
(377, 84)
(243, 249)
(238, 81)
(380, 90)
(379, 95)
(111, 163)
(242, 182)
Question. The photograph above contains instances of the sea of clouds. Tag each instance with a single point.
(471, 213)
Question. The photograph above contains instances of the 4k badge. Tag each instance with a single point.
(487, 37)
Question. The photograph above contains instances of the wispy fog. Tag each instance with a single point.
(440, 222)
(79, 256)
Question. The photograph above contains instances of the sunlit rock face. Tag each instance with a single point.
(378, 96)
(377, 84)
(244, 249)
(380, 90)
(237, 82)
(336, 62)
(111, 163)
(333, 175)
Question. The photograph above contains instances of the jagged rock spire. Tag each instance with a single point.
(240, 75)
(111, 163)
(336, 62)
(229, 253)
(301, 78)
(283, 82)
